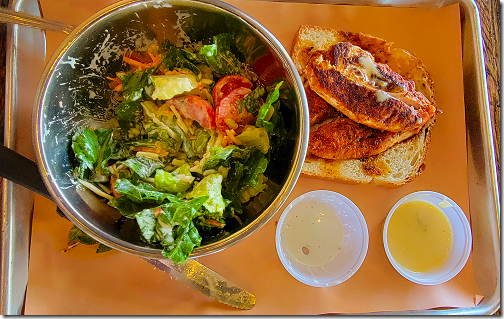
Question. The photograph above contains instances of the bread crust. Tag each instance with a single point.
(395, 166)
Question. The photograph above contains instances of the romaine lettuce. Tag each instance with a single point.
(141, 192)
(255, 137)
(143, 166)
(219, 56)
(93, 149)
(178, 181)
(136, 84)
(267, 110)
(210, 186)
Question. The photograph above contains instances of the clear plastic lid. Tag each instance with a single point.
(322, 238)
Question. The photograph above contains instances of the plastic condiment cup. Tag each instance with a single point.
(461, 243)
(352, 247)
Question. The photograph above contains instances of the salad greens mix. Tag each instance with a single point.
(194, 138)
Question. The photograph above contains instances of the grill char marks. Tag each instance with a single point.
(369, 93)
(335, 136)
(319, 109)
(342, 138)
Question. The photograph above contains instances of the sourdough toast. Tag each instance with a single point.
(398, 164)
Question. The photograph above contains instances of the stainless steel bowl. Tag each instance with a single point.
(74, 91)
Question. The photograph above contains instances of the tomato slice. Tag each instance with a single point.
(227, 84)
(227, 115)
(197, 109)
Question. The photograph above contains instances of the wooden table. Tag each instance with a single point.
(490, 20)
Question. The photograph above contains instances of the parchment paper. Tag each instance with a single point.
(80, 282)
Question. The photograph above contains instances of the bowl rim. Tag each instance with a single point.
(149, 252)
(408, 274)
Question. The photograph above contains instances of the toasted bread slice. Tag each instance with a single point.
(396, 166)
(400, 163)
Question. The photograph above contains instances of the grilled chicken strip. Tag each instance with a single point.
(319, 109)
(335, 136)
(369, 93)
(342, 138)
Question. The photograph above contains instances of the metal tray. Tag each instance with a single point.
(25, 60)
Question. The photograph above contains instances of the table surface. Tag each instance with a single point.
(490, 21)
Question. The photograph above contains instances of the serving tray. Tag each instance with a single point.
(22, 78)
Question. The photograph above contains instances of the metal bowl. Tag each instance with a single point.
(74, 91)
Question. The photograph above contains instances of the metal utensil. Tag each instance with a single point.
(10, 16)
(24, 172)
(206, 281)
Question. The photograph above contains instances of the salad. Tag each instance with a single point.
(194, 139)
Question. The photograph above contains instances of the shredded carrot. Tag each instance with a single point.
(231, 135)
(115, 83)
(113, 179)
(118, 88)
(225, 141)
(135, 63)
(213, 222)
(154, 57)
(157, 211)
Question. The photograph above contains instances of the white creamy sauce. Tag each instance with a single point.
(369, 66)
(381, 96)
(313, 233)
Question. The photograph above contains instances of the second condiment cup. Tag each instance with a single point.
(461, 242)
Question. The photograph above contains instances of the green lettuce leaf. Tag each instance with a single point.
(93, 149)
(267, 110)
(175, 58)
(234, 206)
(178, 181)
(136, 84)
(143, 166)
(232, 184)
(255, 137)
(127, 207)
(146, 220)
(252, 102)
(185, 233)
(141, 192)
(210, 186)
(219, 56)
(127, 114)
(170, 125)
(201, 141)
(75, 234)
(255, 165)
(221, 156)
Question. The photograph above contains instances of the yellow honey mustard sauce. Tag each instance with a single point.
(419, 236)
(313, 233)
